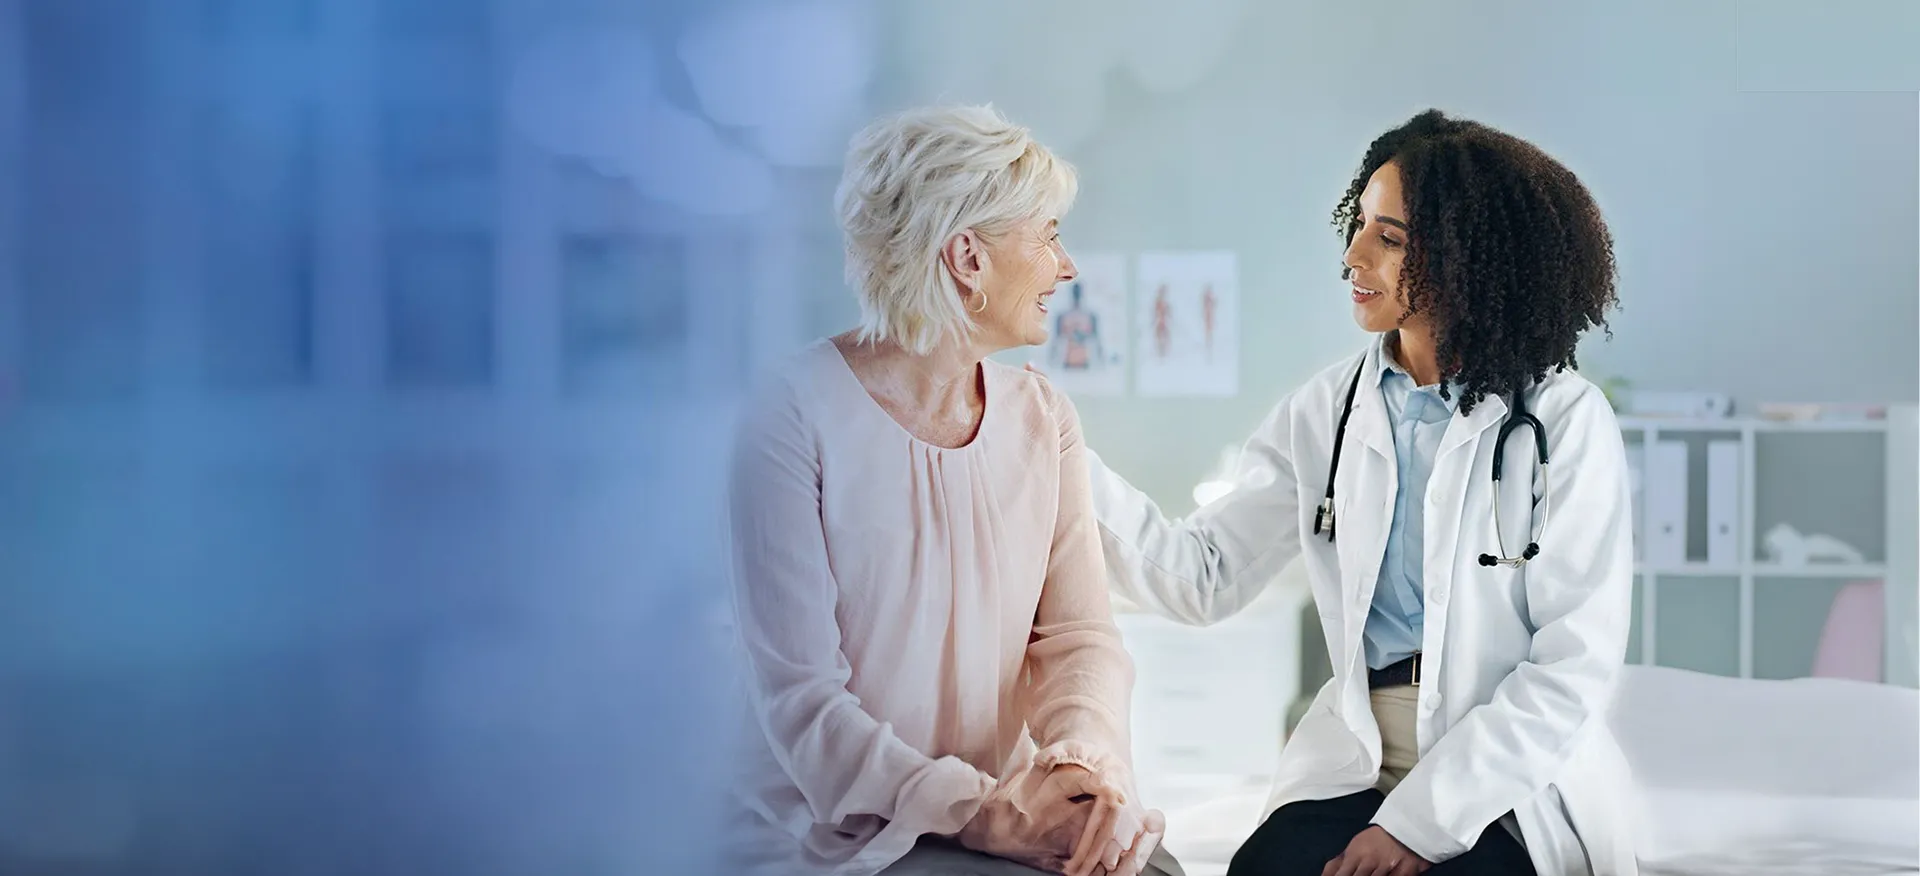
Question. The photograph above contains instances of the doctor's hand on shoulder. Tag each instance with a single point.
(1374, 852)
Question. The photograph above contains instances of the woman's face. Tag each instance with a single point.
(1377, 252)
(1021, 269)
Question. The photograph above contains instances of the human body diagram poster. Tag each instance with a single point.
(1187, 324)
(1086, 350)
(1087, 329)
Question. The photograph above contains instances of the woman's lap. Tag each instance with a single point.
(933, 857)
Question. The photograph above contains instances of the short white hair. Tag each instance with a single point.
(915, 179)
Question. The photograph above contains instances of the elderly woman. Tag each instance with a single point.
(936, 680)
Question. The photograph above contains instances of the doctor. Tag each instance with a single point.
(1463, 729)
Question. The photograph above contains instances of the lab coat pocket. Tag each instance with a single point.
(1507, 584)
(1508, 539)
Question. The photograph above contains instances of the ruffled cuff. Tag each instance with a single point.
(1095, 759)
(965, 786)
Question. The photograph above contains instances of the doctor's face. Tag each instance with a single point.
(1377, 252)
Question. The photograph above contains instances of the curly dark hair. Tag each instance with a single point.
(1507, 252)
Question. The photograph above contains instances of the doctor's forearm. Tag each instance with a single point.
(1176, 568)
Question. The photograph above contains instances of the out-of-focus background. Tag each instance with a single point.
(366, 368)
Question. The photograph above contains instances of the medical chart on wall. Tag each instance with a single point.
(1086, 349)
(1187, 309)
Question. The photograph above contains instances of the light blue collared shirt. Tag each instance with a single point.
(1419, 417)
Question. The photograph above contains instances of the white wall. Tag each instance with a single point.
(1765, 240)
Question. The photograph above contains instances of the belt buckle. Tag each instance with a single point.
(1416, 669)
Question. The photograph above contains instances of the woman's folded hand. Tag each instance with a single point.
(1119, 838)
(1064, 818)
(1121, 834)
(1042, 817)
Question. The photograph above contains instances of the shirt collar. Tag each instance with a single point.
(1390, 366)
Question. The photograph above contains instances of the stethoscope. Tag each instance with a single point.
(1517, 417)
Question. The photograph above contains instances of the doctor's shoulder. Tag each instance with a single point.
(1326, 389)
(1301, 423)
(1566, 399)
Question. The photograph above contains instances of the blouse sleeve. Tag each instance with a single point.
(1082, 677)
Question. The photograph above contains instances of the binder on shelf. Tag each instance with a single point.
(1723, 502)
(1665, 497)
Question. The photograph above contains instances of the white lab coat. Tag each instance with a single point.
(1519, 666)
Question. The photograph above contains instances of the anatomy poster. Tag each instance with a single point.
(1188, 308)
(1086, 351)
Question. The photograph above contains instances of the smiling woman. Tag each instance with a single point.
(1460, 733)
(932, 658)
(1516, 266)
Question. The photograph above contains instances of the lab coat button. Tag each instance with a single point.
(1439, 595)
(1432, 701)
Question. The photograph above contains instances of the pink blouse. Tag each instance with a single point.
(915, 620)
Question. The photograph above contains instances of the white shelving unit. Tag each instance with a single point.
(1893, 568)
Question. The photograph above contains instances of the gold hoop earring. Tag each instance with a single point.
(983, 302)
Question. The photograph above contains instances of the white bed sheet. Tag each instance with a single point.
(1732, 777)
(1731, 834)
(1771, 778)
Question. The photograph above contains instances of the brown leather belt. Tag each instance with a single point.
(1404, 672)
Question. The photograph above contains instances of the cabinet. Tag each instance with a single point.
(1209, 703)
(1752, 612)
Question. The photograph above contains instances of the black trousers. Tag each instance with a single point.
(1298, 839)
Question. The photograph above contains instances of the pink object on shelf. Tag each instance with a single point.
(1851, 641)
